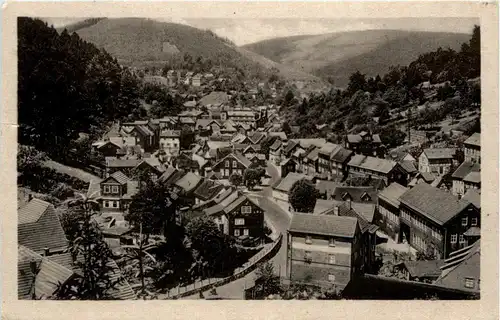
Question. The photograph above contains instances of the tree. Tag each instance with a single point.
(90, 253)
(252, 177)
(286, 128)
(187, 138)
(211, 246)
(303, 196)
(154, 208)
(266, 281)
(235, 179)
(357, 82)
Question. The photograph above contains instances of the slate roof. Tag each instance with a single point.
(220, 206)
(279, 134)
(434, 203)
(460, 264)
(39, 227)
(120, 177)
(465, 168)
(474, 140)
(372, 163)
(327, 225)
(144, 130)
(392, 193)
(256, 137)
(48, 278)
(473, 177)
(291, 144)
(313, 155)
(286, 183)
(122, 163)
(188, 182)
(408, 166)
(440, 153)
(207, 189)
(341, 155)
(366, 210)
(276, 145)
(424, 268)
(474, 197)
(356, 193)
(167, 174)
(473, 232)
(328, 148)
(346, 211)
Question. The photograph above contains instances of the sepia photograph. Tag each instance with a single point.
(179, 157)
(249, 159)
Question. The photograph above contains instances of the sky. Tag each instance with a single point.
(244, 31)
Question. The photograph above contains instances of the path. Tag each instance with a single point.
(280, 221)
(73, 172)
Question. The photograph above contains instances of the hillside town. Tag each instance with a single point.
(229, 198)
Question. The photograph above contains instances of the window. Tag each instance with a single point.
(469, 283)
(474, 221)
(227, 164)
(235, 164)
(239, 221)
(464, 221)
(245, 232)
(236, 232)
(106, 204)
(331, 259)
(331, 243)
(308, 240)
(115, 204)
(246, 209)
(462, 239)
(114, 189)
(106, 189)
(331, 277)
(453, 238)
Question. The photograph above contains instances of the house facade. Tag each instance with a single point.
(115, 192)
(472, 148)
(387, 170)
(170, 141)
(364, 143)
(232, 163)
(437, 161)
(323, 250)
(436, 222)
(388, 207)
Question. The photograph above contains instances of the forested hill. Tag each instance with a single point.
(143, 42)
(67, 86)
(444, 82)
(336, 56)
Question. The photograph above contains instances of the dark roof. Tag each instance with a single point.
(207, 189)
(356, 193)
(474, 197)
(120, 177)
(434, 203)
(291, 144)
(167, 174)
(256, 137)
(424, 268)
(178, 174)
(276, 145)
(465, 168)
(341, 155)
(345, 211)
(327, 225)
(233, 205)
(47, 281)
(408, 166)
(238, 156)
(39, 227)
(392, 193)
(188, 182)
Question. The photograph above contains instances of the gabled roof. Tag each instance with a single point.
(424, 268)
(474, 140)
(408, 166)
(440, 153)
(122, 163)
(345, 211)
(238, 138)
(286, 183)
(326, 225)
(39, 227)
(207, 189)
(233, 205)
(188, 182)
(328, 148)
(256, 137)
(238, 156)
(276, 145)
(392, 193)
(120, 177)
(474, 197)
(144, 130)
(252, 147)
(434, 203)
(313, 154)
(465, 168)
(289, 147)
(356, 194)
(473, 177)
(341, 155)
(372, 163)
(167, 174)
(48, 278)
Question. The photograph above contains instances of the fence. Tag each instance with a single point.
(207, 284)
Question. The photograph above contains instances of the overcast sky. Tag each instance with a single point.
(244, 31)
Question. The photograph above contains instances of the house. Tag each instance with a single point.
(387, 170)
(364, 143)
(290, 148)
(125, 165)
(145, 137)
(115, 192)
(238, 216)
(282, 187)
(232, 163)
(368, 238)
(424, 270)
(38, 276)
(310, 161)
(388, 207)
(365, 210)
(242, 116)
(108, 148)
(275, 152)
(151, 166)
(474, 197)
(436, 222)
(326, 188)
(187, 184)
(197, 80)
(286, 166)
(472, 148)
(207, 190)
(172, 78)
(465, 173)
(355, 194)
(436, 160)
(39, 228)
(324, 154)
(170, 141)
(462, 269)
(323, 250)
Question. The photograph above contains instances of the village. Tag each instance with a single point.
(229, 199)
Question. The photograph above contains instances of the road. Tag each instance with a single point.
(280, 221)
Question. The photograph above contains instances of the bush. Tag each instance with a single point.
(62, 191)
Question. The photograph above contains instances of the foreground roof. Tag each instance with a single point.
(286, 183)
(372, 163)
(392, 193)
(474, 140)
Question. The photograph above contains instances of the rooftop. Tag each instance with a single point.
(465, 168)
(372, 163)
(392, 193)
(474, 140)
(327, 225)
(440, 153)
(286, 183)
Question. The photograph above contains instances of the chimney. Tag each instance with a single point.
(46, 252)
(349, 203)
(33, 266)
(30, 197)
(336, 211)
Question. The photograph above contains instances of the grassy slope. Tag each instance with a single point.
(139, 42)
(340, 54)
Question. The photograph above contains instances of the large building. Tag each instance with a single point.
(436, 160)
(472, 148)
(323, 250)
